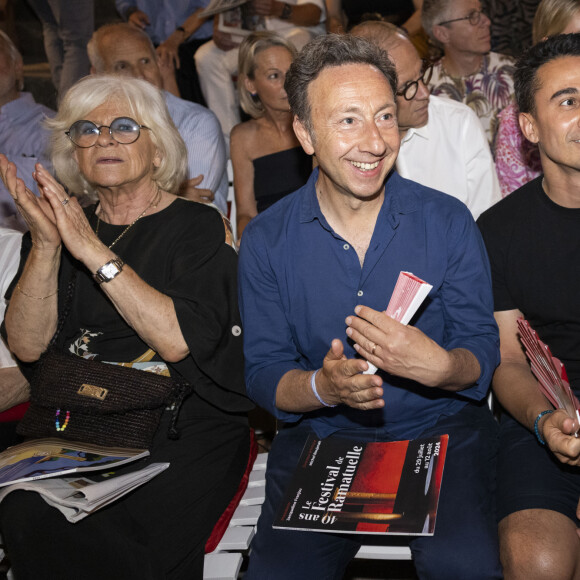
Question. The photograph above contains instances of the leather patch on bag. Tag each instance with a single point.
(93, 391)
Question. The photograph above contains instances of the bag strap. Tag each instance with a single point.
(182, 389)
(63, 315)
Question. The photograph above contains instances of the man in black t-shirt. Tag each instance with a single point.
(533, 241)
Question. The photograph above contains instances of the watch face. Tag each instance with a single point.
(109, 270)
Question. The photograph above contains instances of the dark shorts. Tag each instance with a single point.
(530, 477)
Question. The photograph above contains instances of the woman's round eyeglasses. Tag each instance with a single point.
(124, 130)
(473, 17)
(409, 91)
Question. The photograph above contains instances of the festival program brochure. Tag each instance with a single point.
(348, 486)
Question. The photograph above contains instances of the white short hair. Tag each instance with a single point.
(147, 106)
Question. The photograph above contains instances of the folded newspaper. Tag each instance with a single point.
(39, 465)
(78, 497)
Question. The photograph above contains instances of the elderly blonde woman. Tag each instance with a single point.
(267, 160)
(155, 287)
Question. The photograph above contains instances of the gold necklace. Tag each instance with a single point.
(159, 193)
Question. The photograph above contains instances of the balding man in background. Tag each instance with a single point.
(123, 49)
(443, 145)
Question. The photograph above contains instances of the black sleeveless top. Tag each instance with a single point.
(278, 174)
(395, 11)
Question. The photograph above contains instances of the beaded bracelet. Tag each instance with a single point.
(34, 297)
(536, 430)
(313, 387)
(57, 421)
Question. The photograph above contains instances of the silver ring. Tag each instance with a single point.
(374, 348)
(65, 201)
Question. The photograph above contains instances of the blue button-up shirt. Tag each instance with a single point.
(24, 140)
(299, 280)
(206, 148)
(166, 16)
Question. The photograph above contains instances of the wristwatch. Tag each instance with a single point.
(111, 269)
(286, 12)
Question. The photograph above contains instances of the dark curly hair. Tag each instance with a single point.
(526, 82)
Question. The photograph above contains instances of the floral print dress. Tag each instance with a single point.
(487, 91)
(517, 161)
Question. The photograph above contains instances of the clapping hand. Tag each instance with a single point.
(341, 381)
(36, 211)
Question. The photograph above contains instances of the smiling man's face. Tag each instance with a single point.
(355, 135)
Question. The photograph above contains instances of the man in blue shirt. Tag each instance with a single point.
(316, 273)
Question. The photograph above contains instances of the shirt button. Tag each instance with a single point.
(236, 330)
(346, 247)
(360, 293)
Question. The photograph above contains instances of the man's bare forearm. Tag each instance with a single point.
(464, 370)
(517, 390)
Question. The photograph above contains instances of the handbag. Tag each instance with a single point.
(94, 402)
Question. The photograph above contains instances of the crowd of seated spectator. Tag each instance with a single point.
(460, 131)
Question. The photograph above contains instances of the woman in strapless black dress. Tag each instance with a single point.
(267, 159)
